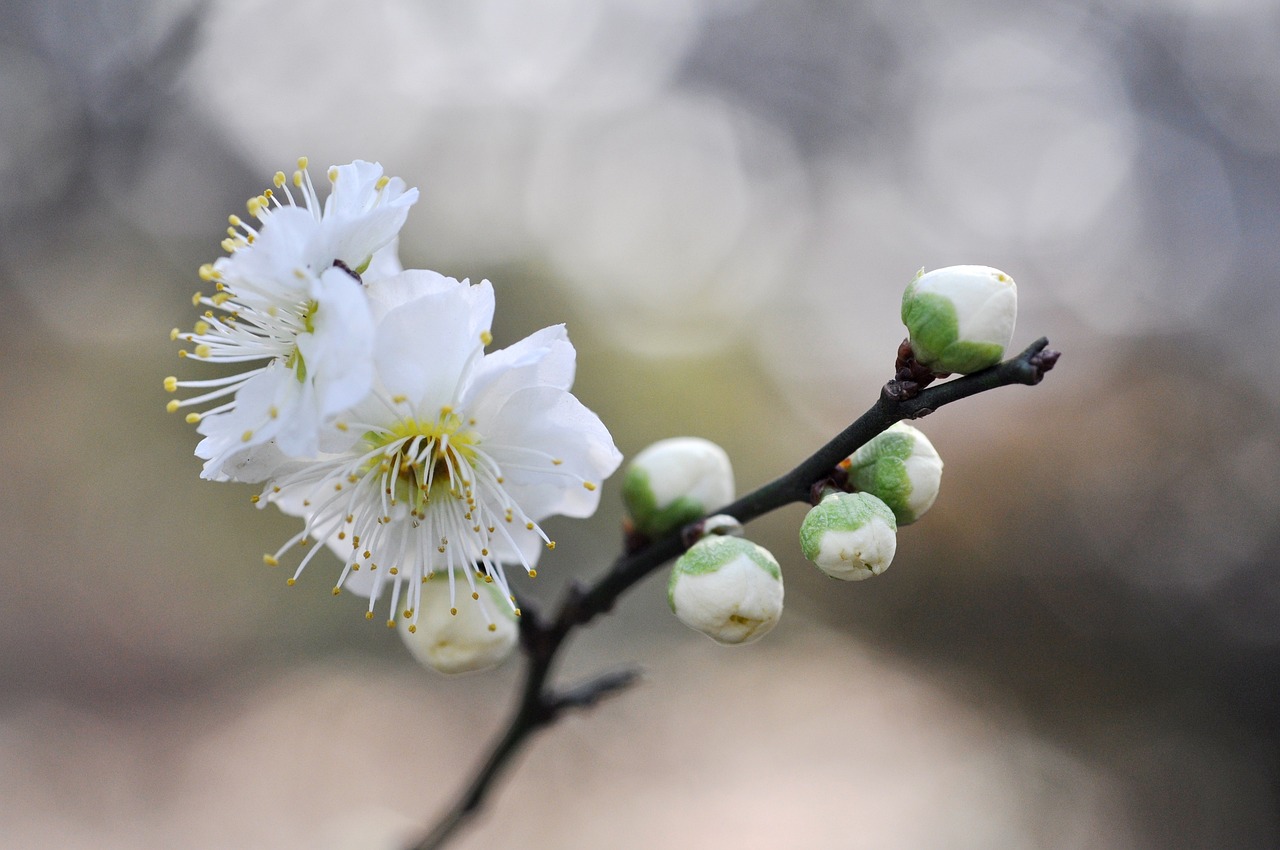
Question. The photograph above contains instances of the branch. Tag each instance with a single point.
(541, 705)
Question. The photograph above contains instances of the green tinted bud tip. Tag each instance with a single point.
(850, 536)
(960, 318)
(674, 482)
(900, 467)
(728, 588)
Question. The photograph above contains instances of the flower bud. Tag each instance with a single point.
(480, 635)
(850, 536)
(675, 481)
(960, 318)
(728, 588)
(900, 467)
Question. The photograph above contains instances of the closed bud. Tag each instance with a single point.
(960, 318)
(480, 635)
(900, 467)
(728, 588)
(674, 482)
(850, 536)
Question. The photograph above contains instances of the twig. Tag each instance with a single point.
(540, 705)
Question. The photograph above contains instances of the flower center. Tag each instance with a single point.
(422, 459)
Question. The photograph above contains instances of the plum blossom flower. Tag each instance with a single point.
(454, 458)
(290, 300)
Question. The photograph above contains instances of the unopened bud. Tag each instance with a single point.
(461, 642)
(728, 588)
(674, 482)
(900, 467)
(960, 318)
(850, 536)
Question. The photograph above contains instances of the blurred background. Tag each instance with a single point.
(1079, 647)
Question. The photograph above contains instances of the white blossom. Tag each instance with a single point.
(455, 457)
(289, 312)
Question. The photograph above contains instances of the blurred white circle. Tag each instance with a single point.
(669, 222)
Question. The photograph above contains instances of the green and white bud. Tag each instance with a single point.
(463, 635)
(850, 536)
(674, 482)
(960, 318)
(900, 467)
(728, 588)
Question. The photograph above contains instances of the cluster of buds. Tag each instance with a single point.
(960, 320)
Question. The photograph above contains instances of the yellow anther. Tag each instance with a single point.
(273, 412)
(395, 571)
(203, 350)
(399, 399)
(551, 544)
(173, 335)
(453, 611)
(271, 560)
(336, 591)
(588, 485)
(183, 353)
(201, 328)
(341, 426)
(475, 595)
(220, 298)
(195, 299)
(291, 581)
(297, 179)
(391, 624)
(413, 629)
(246, 436)
(408, 612)
(173, 405)
(342, 535)
(279, 179)
(254, 206)
(333, 174)
(368, 615)
(446, 410)
(486, 337)
(493, 627)
(171, 384)
(533, 573)
(382, 182)
(234, 220)
(529, 526)
(229, 245)
(302, 163)
(193, 418)
(254, 499)
(206, 272)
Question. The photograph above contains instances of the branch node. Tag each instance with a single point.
(592, 691)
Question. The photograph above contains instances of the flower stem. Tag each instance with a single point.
(541, 704)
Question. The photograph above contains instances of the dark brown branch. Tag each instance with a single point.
(541, 640)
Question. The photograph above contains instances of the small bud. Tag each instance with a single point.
(728, 588)
(462, 642)
(960, 318)
(674, 482)
(900, 467)
(850, 536)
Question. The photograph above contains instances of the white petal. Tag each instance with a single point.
(339, 353)
(423, 347)
(543, 359)
(540, 423)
